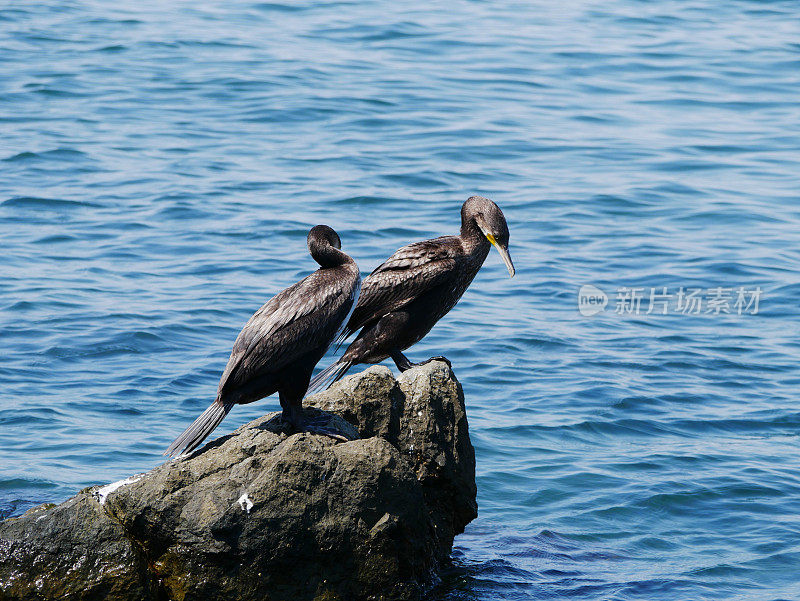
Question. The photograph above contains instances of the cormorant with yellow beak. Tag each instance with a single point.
(405, 296)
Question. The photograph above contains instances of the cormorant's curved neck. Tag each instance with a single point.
(472, 237)
(327, 255)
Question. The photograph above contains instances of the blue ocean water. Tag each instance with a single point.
(161, 163)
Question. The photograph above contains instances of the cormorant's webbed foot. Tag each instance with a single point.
(321, 426)
(403, 364)
(295, 422)
(438, 358)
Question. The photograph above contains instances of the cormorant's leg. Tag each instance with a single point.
(292, 414)
(403, 364)
(401, 361)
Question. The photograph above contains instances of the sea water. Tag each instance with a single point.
(161, 164)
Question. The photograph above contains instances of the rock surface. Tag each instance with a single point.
(261, 515)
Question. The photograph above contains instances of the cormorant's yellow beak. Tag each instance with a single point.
(503, 254)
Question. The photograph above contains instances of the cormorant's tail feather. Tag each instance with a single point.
(328, 376)
(344, 335)
(199, 429)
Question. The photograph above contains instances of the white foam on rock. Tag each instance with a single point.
(245, 503)
(103, 492)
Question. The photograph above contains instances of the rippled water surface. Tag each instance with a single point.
(161, 163)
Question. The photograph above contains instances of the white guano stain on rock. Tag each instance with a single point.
(245, 503)
(103, 492)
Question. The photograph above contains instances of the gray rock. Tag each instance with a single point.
(261, 515)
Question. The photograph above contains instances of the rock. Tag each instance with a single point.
(261, 515)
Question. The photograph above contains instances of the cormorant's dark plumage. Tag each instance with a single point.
(405, 296)
(277, 349)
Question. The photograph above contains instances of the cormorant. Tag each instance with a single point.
(405, 296)
(279, 346)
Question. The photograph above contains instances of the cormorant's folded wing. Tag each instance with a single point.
(410, 272)
(294, 321)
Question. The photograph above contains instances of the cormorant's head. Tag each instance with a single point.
(323, 235)
(325, 247)
(492, 224)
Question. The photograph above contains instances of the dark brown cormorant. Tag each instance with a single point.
(405, 296)
(279, 346)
